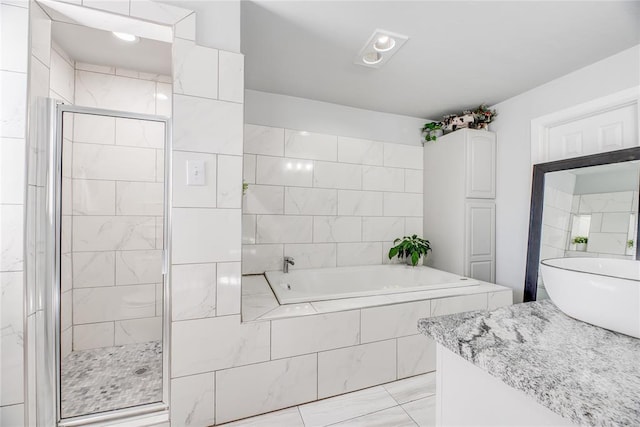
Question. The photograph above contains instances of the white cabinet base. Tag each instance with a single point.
(468, 396)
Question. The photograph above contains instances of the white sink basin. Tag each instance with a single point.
(601, 291)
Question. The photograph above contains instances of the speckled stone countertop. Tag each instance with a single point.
(584, 373)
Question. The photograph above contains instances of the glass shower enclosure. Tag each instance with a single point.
(107, 251)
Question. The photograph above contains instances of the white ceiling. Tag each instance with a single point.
(459, 53)
(100, 47)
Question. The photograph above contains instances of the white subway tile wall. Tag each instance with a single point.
(328, 200)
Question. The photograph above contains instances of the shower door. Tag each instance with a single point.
(111, 258)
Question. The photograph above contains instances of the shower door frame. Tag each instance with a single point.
(53, 262)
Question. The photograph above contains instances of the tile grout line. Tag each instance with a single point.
(409, 415)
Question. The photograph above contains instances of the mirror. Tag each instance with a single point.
(583, 207)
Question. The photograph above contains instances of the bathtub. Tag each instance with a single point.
(320, 284)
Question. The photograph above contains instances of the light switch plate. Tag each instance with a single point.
(196, 173)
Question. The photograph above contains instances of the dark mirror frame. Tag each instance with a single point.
(537, 201)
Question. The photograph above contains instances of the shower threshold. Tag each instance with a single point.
(108, 378)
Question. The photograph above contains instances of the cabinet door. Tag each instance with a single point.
(481, 165)
(480, 250)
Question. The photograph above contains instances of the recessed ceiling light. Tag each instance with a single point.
(130, 38)
(379, 48)
(371, 58)
(161, 96)
(384, 43)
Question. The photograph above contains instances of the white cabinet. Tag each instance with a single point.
(480, 234)
(459, 205)
(481, 164)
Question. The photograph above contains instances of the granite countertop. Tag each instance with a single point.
(582, 372)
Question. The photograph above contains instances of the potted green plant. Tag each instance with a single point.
(580, 242)
(630, 243)
(432, 130)
(412, 248)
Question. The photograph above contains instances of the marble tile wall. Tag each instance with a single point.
(207, 333)
(14, 60)
(326, 200)
(112, 204)
(115, 202)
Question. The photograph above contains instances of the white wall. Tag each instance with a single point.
(613, 74)
(269, 109)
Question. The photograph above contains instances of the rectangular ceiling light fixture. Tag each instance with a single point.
(379, 49)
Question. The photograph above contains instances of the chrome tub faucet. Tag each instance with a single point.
(285, 265)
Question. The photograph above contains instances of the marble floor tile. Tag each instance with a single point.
(345, 407)
(289, 417)
(422, 411)
(395, 417)
(404, 403)
(413, 388)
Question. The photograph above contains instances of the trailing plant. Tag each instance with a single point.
(410, 247)
(245, 186)
(429, 130)
(580, 239)
(630, 243)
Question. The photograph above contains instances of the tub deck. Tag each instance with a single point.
(260, 304)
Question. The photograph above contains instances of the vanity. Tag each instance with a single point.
(573, 359)
(531, 364)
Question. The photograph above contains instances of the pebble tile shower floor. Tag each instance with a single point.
(108, 378)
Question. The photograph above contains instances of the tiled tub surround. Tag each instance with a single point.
(326, 200)
(304, 352)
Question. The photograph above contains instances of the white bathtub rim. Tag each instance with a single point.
(460, 282)
(313, 310)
